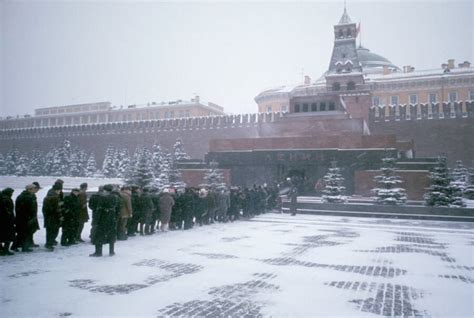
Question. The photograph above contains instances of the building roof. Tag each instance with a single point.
(370, 60)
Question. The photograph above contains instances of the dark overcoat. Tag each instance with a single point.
(106, 212)
(51, 210)
(7, 218)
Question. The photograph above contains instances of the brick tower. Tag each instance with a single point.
(344, 76)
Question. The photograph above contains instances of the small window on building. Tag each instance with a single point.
(413, 99)
(172, 114)
(471, 94)
(432, 98)
(167, 114)
(336, 86)
(351, 86)
(453, 96)
(332, 106)
(394, 100)
(322, 106)
(314, 107)
(187, 114)
(305, 107)
(297, 108)
(60, 121)
(68, 120)
(284, 108)
(376, 101)
(269, 109)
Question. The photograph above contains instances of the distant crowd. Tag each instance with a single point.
(120, 212)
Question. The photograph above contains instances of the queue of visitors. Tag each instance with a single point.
(120, 212)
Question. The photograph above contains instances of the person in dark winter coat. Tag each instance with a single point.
(146, 206)
(134, 220)
(293, 194)
(7, 221)
(200, 207)
(188, 208)
(104, 220)
(52, 216)
(83, 216)
(26, 209)
(166, 206)
(155, 198)
(71, 210)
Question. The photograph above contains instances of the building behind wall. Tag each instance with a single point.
(435, 108)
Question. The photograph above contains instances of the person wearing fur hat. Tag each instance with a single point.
(26, 209)
(104, 220)
(7, 221)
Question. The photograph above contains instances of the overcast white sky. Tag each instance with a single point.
(68, 52)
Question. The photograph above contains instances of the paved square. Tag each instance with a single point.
(272, 265)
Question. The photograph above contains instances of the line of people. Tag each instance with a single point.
(120, 212)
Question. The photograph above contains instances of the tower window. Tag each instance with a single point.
(297, 108)
(332, 106)
(322, 106)
(376, 101)
(394, 100)
(351, 86)
(314, 107)
(336, 86)
(453, 96)
(305, 107)
(433, 98)
(413, 99)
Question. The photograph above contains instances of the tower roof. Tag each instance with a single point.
(345, 19)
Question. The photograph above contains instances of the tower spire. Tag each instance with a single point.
(345, 19)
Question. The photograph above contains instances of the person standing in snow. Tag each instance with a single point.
(293, 194)
(26, 209)
(52, 216)
(7, 221)
(134, 220)
(71, 210)
(104, 220)
(146, 205)
(126, 212)
(83, 216)
(166, 206)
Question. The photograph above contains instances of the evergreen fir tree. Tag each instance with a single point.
(77, 168)
(162, 180)
(48, 167)
(62, 160)
(3, 166)
(91, 170)
(458, 184)
(440, 193)
(469, 191)
(37, 163)
(174, 176)
(179, 153)
(11, 161)
(334, 190)
(157, 159)
(108, 166)
(214, 178)
(388, 192)
(22, 168)
(122, 162)
(141, 174)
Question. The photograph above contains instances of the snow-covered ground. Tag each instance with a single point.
(272, 265)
